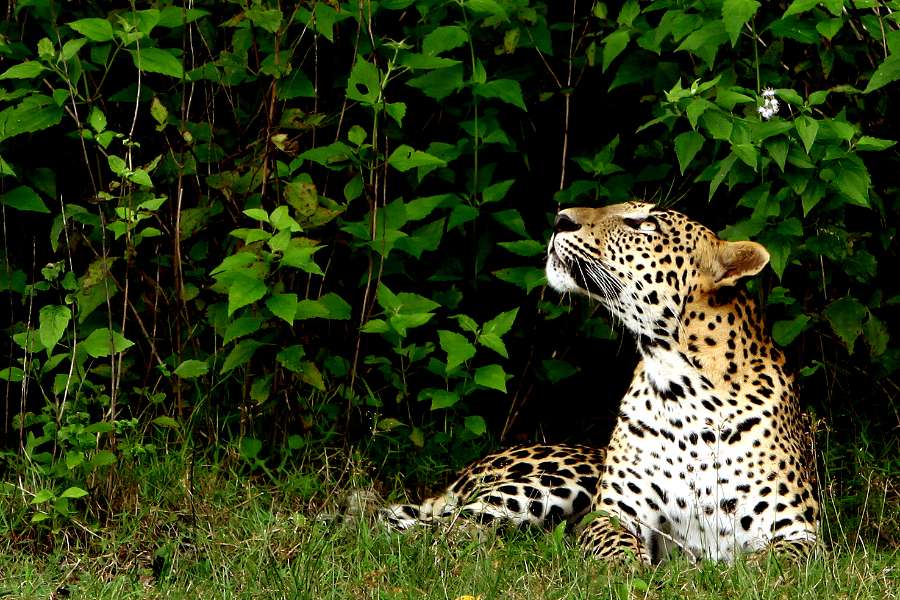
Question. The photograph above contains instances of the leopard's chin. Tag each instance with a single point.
(558, 276)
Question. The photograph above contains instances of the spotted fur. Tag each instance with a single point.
(538, 484)
(710, 454)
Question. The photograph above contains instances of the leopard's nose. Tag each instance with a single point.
(565, 223)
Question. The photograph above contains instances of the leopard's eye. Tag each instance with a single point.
(646, 225)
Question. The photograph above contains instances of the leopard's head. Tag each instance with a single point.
(644, 263)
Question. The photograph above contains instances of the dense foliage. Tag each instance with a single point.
(248, 227)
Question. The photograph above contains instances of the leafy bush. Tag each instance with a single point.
(263, 227)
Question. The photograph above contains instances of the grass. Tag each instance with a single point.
(229, 536)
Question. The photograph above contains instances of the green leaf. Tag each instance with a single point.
(405, 158)
(866, 143)
(877, 336)
(364, 84)
(724, 167)
(525, 247)
(717, 124)
(735, 13)
(527, 278)
(241, 327)
(24, 198)
(104, 342)
(444, 38)
(800, 6)
(283, 306)
(166, 422)
(475, 424)
(557, 370)
(613, 45)
(687, 145)
(439, 398)
(440, 83)
(291, 358)
(157, 60)
(457, 347)
(747, 153)
(507, 90)
(53, 323)
(846, 317)
(241, 354)
(852, 179)
(269, 20)
(43, 496)
(491, 376)
(24, 70)
(96, 30)
(28, 117)
(244, 288)
(778, 150)
(502, 323)
(73, 492)
(191, 369)
(497, 191)
(807, 128)
(887, 72)
(785, 332)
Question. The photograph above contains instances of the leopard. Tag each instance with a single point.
(711, 455)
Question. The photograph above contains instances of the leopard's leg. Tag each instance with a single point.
(607, 538)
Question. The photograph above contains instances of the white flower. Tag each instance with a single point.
(769, 106)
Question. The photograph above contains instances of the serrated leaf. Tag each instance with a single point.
(157, 60)
(283, 306)
(96, 30)
(527, 278)
(457, 347)
(507, 90)
(53, 322)
(491, 376)
(724, 167)
(525, 247)
(557, 370)
(191, 369)
(43, 496)
(687, 145)
(440, 399)
(497, 191)
(807, 129)
(736, 13)
(494, 342)
(166, 422)
(444, 38)
(800, 6)
(877, 336)
(613, 45)
(785, 332)
(24, 198)
(104, 342)
(404, 158)
(241, 354)
(502, 323)
(244, 287)
(867, 143)
(28, 69)
(291, 358)
(73, 492)
(846, 318)
(241, 327)
(887, 72)
(475, 424)
(364, 84)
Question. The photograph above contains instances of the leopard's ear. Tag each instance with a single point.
(735, 260)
